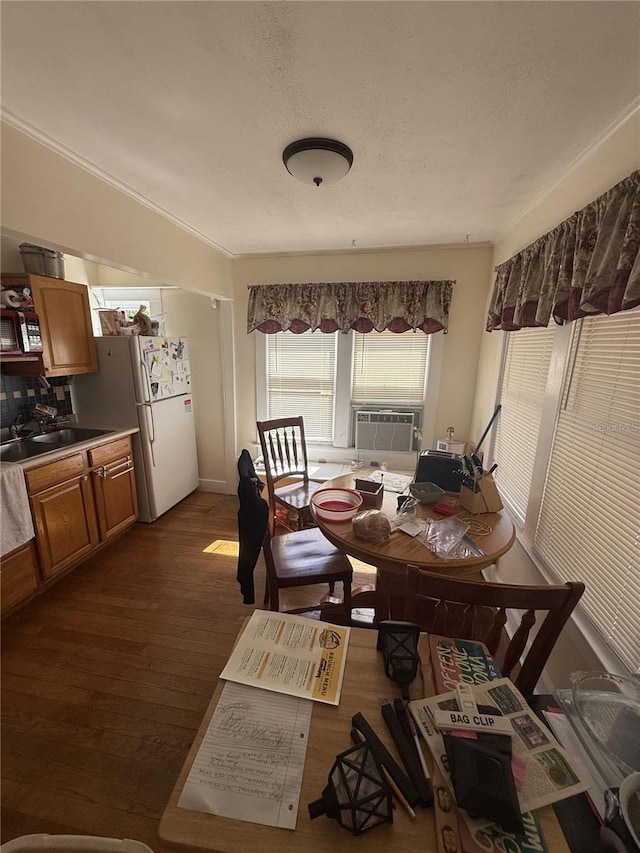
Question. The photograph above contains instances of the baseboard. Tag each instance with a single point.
(219, 486)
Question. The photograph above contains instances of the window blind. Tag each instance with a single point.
(389, 369)
(588, 527)
(523, 389)
(301, 380)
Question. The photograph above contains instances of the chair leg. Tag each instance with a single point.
(346, 603)
(274, 599)
(332, 586)
(266, 591)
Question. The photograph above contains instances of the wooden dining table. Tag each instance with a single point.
(363, 683)
(493, 534)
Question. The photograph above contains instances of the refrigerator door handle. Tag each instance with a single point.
(147, 408)
(147, 378)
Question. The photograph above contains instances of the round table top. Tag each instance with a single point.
(401, 548)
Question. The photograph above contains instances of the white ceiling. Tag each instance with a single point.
(459, 114)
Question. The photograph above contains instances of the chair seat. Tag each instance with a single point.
(306, 557)
(297, 496)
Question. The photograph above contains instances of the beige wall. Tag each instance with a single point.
(193, 315)
(51, 201)
(614, 160)
(469, 266)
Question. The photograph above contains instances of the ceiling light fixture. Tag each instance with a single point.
(317, 161)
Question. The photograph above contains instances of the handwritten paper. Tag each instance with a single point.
(250, 762)
(290, 654)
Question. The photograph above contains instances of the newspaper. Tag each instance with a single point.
(548, 773)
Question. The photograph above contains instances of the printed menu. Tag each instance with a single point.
(290, 654)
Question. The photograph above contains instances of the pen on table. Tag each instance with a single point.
(357, 737)
(416, 740)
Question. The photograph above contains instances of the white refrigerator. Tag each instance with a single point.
(146, 382)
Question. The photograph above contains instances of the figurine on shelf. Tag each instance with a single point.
(450, 433)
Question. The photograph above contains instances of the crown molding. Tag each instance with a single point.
(626, 115)
(13, 120)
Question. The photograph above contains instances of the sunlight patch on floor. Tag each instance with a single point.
(223, 547)
(360, 567)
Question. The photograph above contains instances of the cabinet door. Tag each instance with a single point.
(19, 575)
(65, 521)
(65, 320)
(116, 498)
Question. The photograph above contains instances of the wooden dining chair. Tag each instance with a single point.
(284, 452)
(477, 610)
(303, 558)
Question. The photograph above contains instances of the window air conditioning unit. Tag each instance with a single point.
(384, 431)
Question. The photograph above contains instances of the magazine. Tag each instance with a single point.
(456, 830)
(548, 773)
(454, 661)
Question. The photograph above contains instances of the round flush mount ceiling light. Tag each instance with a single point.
(317, 161)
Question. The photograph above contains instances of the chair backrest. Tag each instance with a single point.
(477, 610)
(284, 449)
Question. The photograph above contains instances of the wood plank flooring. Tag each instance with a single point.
(106, 675)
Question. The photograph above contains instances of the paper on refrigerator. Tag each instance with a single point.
(290, 654)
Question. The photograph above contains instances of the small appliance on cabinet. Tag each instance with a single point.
(146, 382)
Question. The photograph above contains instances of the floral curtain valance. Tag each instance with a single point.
(363, 306)
(589, 264)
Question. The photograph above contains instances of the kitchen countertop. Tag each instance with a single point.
(52, 455)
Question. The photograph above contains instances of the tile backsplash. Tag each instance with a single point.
(19, 394)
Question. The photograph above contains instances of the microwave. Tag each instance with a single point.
(19, 332)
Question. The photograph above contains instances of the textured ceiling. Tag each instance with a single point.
(459, 114)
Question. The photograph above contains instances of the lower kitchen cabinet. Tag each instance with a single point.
(19, 576)
(64, 517)
(80, 501)
(114, 486)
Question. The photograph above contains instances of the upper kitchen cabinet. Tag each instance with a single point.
(63, 310)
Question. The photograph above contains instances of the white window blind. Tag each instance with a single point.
(301, 380)
(522, 396)
(389, 368)
(588, 527)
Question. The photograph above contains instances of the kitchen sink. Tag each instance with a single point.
(19, 449)
(69, 435)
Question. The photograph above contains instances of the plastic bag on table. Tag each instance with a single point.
(443, 537)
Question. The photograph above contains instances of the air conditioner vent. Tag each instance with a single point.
(384, 431)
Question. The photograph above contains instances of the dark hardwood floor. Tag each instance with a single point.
(106, 675)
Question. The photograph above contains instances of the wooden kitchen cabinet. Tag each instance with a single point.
(18, 576)
(65, 324)
(114, 487)
(64, 515)
(80, 501)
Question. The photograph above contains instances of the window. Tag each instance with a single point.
(524, 382)
(301, 380)
(582, 512)
(389, 369)
(326, 377)
(128, 300)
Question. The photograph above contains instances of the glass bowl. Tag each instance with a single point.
(609, 707)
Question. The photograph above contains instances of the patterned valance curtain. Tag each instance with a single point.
(363, 306)
(589, 264)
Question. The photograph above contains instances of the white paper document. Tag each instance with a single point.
(250, 762)
(290, 654)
